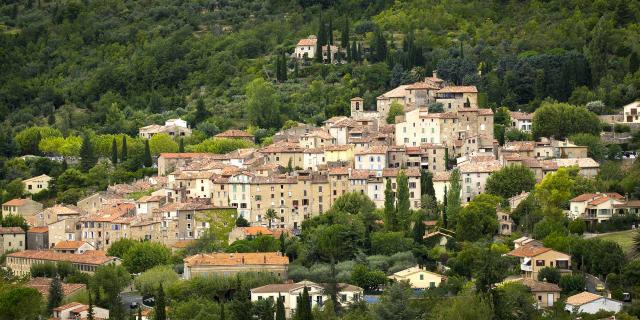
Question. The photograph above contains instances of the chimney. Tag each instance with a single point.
(435, 73)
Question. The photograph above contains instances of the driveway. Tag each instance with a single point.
(128, 298)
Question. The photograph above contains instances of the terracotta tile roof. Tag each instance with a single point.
(89, 257)
(146, 199)
(281, 147)
(458, 89)
(517, 146)
(234, 134)
(374, 150)
(38, 230)
(339, 147)
(442, 115)
(441, 176)
(187, 155)
(582, 298)
(307, 42)
(254, 231)
(480, 167)
(528, 251)
(421, 85)
(521, 115)
(287, 287)
(15, 202)
(339, 171)
(43, 284)
(236, 259)
(398, 92)
(110, 214)
(69, 244)
(68, 306)
(40, 177)
(485, 112)
(540, 286)
(64, 210)
(11, 230)
(580, 162)
(394, 172)
(360, 174)
(181, 244)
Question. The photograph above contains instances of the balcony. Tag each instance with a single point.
(526, 265)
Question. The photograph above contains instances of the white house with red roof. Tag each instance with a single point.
(77, 310)
(306, 48)
(595, 207)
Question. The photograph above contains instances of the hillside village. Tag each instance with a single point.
(440, 141)
(319, 160)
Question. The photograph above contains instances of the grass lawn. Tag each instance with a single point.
(623, 238)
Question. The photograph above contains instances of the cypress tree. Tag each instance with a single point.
(55, 295)
(389, 207)
(87, 156)
(418, 228)
(148, 161)
(90, 311)
(330, 31)
(444, 208)
(329, 53)
(222, 313)
(283, 67)
(319, 40)
(181, 148)
(354, 52)
(426, 183)
(344, 43)
(160, 308)
(446, 159)
(277, 69)
(403, 205)
(453, 197)
(114, 152)
(280, 315)
(52, 116)
(634, 62)
(201, 111)
(303, 312)
(283, 246)
(123, 157)
(295, 70)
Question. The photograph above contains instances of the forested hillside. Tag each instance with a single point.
(115, 65)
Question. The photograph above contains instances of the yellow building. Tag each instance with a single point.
(534, 258)
(418, 278)
(338, 153)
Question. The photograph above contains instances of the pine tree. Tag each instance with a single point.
(123, 157)
(87, 156)
(181, 148)
(114, 152)
(390, 219)
(280, 312)
(160, 307)
(55, 295)
(403, 205)
(147, 161)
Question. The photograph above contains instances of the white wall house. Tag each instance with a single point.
(587, 302)
(632, 113)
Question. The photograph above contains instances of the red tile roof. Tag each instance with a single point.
(89, 257)
(307, 42)
(38, 230)
(458, 89)
(236, 259)
(234, 134)
(11, 230)
(528, 251)
(67, 245)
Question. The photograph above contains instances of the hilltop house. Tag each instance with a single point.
(631, 113)
(595, 207)
(289, 292)
(21, 207)
(419, 278)
(36, 184)
(227, 264)
(534, 258)
(306, 48)
(12, 238)
(171, 127)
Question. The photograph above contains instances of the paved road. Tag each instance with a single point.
(129, 297)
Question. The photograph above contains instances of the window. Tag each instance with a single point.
(539, 263)
(422, 277)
